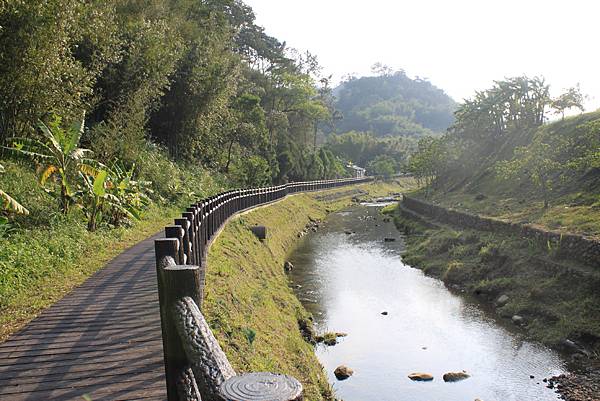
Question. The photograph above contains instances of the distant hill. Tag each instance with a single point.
(393, 104)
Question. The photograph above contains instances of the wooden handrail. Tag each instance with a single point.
(196, 368)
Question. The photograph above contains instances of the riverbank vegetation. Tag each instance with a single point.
(502, 159)
(556, 300)
(113, 114)
(249, 304)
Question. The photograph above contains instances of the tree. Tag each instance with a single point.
(428, 161)
(571, 98)
(58, 153)
(382, 166)
(535, 162)
(361, 147)
(247, 128)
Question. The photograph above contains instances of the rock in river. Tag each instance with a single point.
(342, 372)
(518, 320)
(455, 376)
(420, 377)
(288, 266)
(502, 300)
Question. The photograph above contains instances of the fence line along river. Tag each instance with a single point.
(346, 274)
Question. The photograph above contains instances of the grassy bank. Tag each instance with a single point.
(46, 254)
(569, 165)
(557, 300)
(249, 304)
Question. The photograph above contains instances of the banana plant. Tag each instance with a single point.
(9, 203)
(131, 193)
(58, 154)
(113, 195)
(98, 201)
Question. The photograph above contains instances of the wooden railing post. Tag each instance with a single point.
(177, 233)
(180, 265)
(176, 366)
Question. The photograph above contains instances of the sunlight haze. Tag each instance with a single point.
(460, 46)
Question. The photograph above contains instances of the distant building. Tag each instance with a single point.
(357, 172)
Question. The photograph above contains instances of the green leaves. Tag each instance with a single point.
(59, 154)
(99, 182)
(250, 334)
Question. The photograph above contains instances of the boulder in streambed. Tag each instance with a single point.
(502, 300)
(329, 338)
(518, 320)
(420, 377)
(455, 376)
(389, 239)
(343, 372)
(384, 313)
(288, 266)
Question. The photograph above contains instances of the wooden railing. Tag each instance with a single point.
(196, 367)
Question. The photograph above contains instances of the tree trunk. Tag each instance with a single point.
(544, 193)
(228, 156)
(64, 202)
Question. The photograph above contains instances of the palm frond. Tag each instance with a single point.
(30, 145)
(76, 132)
(47, 173)
(91, 167)
(50, 136)
(9, 203)
(78, 153)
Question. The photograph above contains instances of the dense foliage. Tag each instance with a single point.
(368, 150)
(158, 80)
(391, 103)
(502, 132)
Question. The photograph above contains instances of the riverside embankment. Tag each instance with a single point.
(534, 285)
(248, 301)
(399, 321)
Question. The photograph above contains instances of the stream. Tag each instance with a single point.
(346, 275)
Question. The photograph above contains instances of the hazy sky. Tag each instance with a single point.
(459, 45)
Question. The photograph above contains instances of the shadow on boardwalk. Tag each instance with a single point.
(103, 339)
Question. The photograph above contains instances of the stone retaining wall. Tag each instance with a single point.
(578, 247)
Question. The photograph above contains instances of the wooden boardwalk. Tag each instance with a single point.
(103, 339)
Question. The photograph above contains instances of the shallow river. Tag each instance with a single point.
(347, 280)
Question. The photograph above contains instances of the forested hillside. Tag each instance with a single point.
(391, 103)
(377, 120)
(503, 158)
(200, 79)
(114, 114)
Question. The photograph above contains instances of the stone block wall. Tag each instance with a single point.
(573, 246)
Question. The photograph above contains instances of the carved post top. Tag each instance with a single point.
(166, 251)
(261, 386)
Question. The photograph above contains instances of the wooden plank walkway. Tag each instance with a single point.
(103, 339)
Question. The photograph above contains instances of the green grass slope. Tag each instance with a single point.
(249, 303)
(575, 197)
(46, 254)
(558, 300)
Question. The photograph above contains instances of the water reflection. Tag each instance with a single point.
(346, 275)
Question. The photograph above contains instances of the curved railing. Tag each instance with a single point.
(196, 368)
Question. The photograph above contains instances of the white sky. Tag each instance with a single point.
(459, 45)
